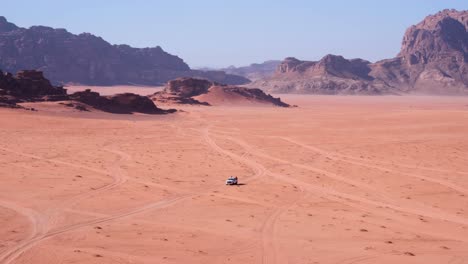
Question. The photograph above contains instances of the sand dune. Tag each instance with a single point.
(336, 180)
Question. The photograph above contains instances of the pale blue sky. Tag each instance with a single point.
(219, 33)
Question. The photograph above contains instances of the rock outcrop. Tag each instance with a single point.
(126, 103)
(204, 92)
(32, 86)
(433, 59)
(28, 86)
(86, 59)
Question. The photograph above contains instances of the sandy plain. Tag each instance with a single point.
(336, 180)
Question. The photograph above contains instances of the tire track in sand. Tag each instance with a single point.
(336, 194)
(270, 247)
(34, 218)
(43, 222)
(349, 200)
(358, 161)
(270, 251)
(305, 167)
(14, 253)
(259, 170)
(118, 178)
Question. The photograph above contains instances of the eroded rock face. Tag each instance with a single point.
(433, 59)
(86, 59)
(29, 86)
(187, 87)
(330, 65)
(189, 90)
(433, 56)
(331, 75)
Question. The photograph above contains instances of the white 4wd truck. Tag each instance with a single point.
(231, 181)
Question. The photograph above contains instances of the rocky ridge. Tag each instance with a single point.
(433, 60)
(90, 60)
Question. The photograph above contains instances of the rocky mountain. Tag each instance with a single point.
(433, 59)
(331, 75)
(254, 71)
(86, 59)
(433, 56)
(203, 92)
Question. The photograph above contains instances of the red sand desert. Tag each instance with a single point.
(336, 180)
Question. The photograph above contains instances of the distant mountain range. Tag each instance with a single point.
(433, 60)
(86, 59)
(254, 71)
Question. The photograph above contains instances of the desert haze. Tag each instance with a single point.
(337, 180)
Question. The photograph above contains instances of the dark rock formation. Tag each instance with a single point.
(90, 60)
(191, 90)
(187, 87)
(181, 91)
(433, 59)
(31, 86)
(126, 103)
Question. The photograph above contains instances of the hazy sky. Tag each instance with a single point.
(220, 33)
